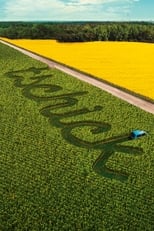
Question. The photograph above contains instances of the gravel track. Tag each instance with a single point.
(134, 100)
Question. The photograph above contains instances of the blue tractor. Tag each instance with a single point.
(137, 133)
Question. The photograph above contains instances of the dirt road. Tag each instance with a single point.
(143, 104)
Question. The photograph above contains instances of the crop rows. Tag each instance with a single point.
(58, 133)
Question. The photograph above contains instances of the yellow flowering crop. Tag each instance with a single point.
(127, 64)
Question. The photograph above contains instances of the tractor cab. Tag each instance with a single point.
(137, 133)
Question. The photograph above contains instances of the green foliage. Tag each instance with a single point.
(54, 128)
(80, 31)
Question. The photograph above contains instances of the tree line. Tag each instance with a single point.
(79, 31)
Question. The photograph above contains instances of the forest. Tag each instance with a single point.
(79, 31)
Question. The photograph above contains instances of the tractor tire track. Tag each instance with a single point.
(134, 100)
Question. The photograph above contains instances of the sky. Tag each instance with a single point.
(76, 10)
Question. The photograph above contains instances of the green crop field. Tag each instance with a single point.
(66, 160)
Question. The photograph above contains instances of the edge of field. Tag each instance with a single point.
(140, 96)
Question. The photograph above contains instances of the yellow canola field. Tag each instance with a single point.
(127, 64)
